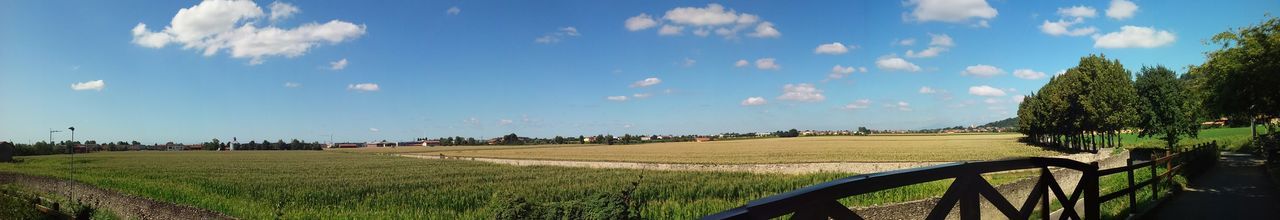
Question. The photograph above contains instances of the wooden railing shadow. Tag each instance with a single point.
(968, 189)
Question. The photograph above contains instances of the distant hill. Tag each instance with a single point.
(1006, 123)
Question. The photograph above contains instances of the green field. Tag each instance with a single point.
(893, 148)
(310, 184)
(1230, 139)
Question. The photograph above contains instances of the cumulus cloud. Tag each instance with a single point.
(642, 95)
(640, 22)
(1078, 11)
(900, 106)
(1134, 37)
(741, 63)
(1121, 9)
(338, 65)
(363, 87)
(906, 42)
(724, 22)
(938, 43)
(1028, 74)
(753, 101)
(97, 85)
(839, 71)
(927, 90)
(951, 11)
(767, 64)
(834, 48)
(292, 85)
(646, 82)
(281, 11)
(859, 104)
(1063, 27)
(802, 92)
(618, 98)
(453, 11)
(669, 30)
(891, 63)
(982, 70)
(556, 37)
(214, 25)
(985, 90)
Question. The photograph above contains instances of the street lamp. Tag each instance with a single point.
(51, 131)
(71, 169)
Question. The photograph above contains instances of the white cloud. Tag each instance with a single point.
(900, 106)
(891, 63)
(556, 37)
(753, 101)
(281, 11)
(642, 95)
(716, 18)
(765, 30)
(803, 92)
(363, 87)
(1028, 74)
(859, 104)
(504, 122)
(617, 98)
(640, 22)
(453, 11)
(839, 71)
(906, 42)
(90, 85)
(927, 90)
(951, 11)
(1122, 9)
(941, 40)
(741, 63)
(1078, 11)
(985, 90)
(833, 48)
(338, 65)
(1134, 37)
(767, 64)
(1063, 27)
(926, 53)
(992, 101)
(862, 69)
(982, 70)
(646, 82)
(670, 30)
(1018, 98)
(374, 130)
(214, 25)
(292, 85)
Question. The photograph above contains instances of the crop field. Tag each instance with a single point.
(436, 149)
(893, 148)
(322, 184)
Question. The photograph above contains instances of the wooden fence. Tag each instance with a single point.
(822, 201)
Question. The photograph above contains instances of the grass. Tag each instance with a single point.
(1230, 139)
(324, 184)
(896, 148)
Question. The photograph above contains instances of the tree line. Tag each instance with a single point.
(1089, 105)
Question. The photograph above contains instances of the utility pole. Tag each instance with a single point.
(51, 131)
(71, 168)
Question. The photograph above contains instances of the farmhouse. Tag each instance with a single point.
(419, 143)
(348, 145)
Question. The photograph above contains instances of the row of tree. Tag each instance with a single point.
(1089, 105)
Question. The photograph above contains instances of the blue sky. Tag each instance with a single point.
(190, 71)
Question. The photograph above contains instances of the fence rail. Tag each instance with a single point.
(821, 201)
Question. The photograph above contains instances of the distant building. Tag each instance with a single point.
(589, 139)
(419, 143)
(348, 145)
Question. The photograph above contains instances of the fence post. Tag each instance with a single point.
(1155, 180)
(1092, 208)
(1133, 194)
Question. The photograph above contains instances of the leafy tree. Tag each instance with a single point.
(1165, 110)
(1240, 78)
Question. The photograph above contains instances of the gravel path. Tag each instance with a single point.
(1237, 188)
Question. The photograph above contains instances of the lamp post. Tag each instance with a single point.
(71, 171)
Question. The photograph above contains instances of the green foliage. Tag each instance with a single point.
(1165, 109)
(1240, 78)
(1093, 99)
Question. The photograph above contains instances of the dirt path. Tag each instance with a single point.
(1237, 188)
(783, 168)
(124, 205)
